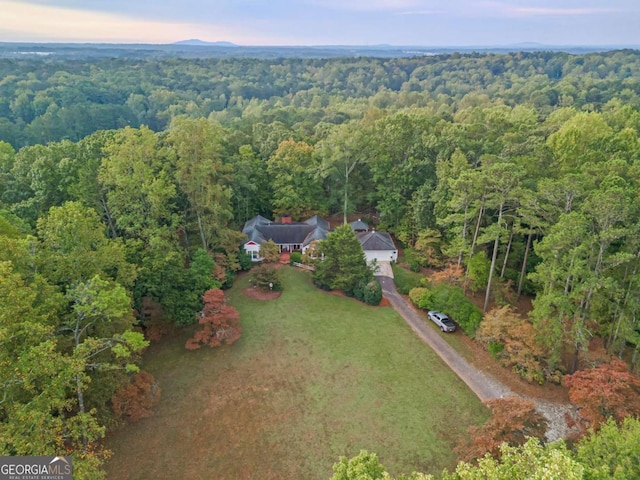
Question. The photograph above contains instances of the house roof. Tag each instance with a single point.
(359, 225)
(376, 241)
(260, 229)
(318, 222)
(251, 224)
(316, 234)
(254, 235)
(285, 234)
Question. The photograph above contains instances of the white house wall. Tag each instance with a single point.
(381, 255)
(254, 251)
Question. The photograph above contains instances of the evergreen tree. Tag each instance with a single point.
(344, 265)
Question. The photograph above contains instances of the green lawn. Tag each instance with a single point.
(313, 377)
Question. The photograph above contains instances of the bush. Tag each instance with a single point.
(267, 277)
(414, 260)
(495, 348)
(245, 260)
(421, 298)
(368, 292)
(296, 257)
(450, 300)
(405, 280)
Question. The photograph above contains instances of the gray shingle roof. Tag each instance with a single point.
(251, 224)
(376, 241)
(288, 233)
(359, 225)
(317, 234)
(318, 222)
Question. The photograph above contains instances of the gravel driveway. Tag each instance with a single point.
(482, 384)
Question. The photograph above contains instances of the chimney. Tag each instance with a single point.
(285, 220)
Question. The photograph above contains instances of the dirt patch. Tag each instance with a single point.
(255, 293)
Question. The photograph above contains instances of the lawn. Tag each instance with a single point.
(313, 377)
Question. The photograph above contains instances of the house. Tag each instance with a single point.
(298, 236)
(288, 235)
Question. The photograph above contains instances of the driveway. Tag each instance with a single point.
(483, 385)
(383, 269)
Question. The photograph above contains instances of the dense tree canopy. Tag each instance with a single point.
(128, 181)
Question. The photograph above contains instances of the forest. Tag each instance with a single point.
(123, 181)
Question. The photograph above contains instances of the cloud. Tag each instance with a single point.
(366, 5)
(421, 12)
(504, 9)
(31, 22)
(562, 11)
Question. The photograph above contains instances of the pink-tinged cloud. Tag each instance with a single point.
(30, 22)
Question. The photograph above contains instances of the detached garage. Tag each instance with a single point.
(378, 246)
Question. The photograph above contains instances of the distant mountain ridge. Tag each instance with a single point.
(197, 42)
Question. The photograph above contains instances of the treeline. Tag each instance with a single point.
(44, 100)
(525, 203)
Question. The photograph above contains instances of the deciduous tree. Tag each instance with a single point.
(607, 391)
(269, 251)
(512, 421)
(220, 322)
(137, 398)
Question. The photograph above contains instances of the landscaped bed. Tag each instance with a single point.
(313, 377)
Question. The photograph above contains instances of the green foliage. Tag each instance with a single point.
(75, 247)
(365, 466)
(344, 265)
(405, 281)
(414, 260)
(450, 300)
(533, 460)
(244, 259)
(478, 271)
(297, 191)
(296, 257)
(196, 147)
(267, 277)
(368, 292)
(269, 251)
(201, 270)
(495, 349)
(612, 452)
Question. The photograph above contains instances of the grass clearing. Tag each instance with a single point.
(313, 377)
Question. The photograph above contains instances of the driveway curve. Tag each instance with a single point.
(483, 385)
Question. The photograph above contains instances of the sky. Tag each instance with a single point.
(325, 22)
